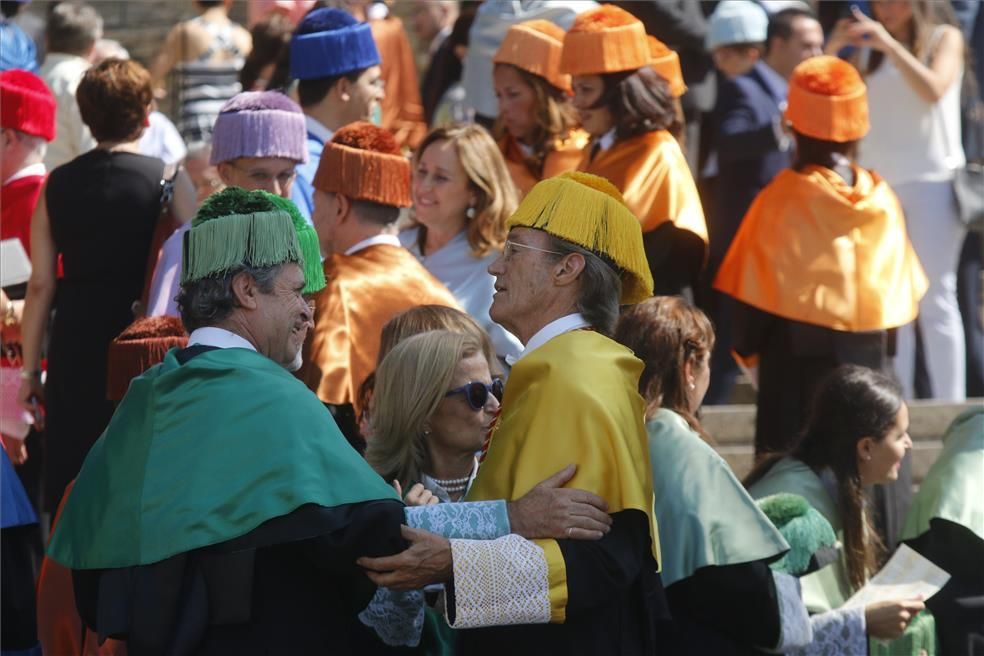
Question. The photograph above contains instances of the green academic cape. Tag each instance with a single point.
(201, 453)
(705, 515)
(954, 487)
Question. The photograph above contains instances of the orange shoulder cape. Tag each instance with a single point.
(364, 291)
(402, 108)
(815, 250)
(564, 157)
(652, 174)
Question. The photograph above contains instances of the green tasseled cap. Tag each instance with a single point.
(237, 227)
(314, 272)
(805, 529)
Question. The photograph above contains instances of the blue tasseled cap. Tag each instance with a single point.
(330, 42)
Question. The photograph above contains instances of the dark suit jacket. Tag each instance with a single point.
(747, 147)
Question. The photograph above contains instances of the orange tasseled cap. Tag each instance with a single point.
(535, 46)
(667, 63)
(363, 162)
(828, 100)
(604, 40)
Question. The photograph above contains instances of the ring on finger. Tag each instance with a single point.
(569, 532)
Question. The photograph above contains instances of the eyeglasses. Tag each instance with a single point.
(509, 249)
(477, 394)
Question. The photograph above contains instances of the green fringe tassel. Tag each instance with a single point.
(805, 529)
(314, 273)
(218, 245)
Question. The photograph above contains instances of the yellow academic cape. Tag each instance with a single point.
(402, 108)
(564, 156)
(574, 399)
(652, 174)
(813, 249)
(364, 291)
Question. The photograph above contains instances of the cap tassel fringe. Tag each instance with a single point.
(222, 244)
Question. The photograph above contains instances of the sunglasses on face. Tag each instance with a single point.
(477, 394)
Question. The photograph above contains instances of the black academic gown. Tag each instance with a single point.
(290, 586)
(958, 607)
(615, 602)
(725, 610)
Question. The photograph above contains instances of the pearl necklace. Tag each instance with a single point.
(453, 484)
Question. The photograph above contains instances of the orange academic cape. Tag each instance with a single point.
(402, 108)
(815, 250)
(563, 157)
(364, 291)
(652, 174)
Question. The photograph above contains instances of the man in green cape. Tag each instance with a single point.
(222, 511)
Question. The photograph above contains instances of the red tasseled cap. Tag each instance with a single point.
(363, 162)
(26, 104)
(366, 136)
(139, 347)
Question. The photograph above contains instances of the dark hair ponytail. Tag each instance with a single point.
(851, 403)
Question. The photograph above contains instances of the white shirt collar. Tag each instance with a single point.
(218, 337)
(375, 240)
(553, 329)
(606, 140)
(36, 169)
(315, 127)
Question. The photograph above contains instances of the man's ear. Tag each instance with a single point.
(568, 268)
(343, 207)
(224, 173)
(245, 291)
(342, 89)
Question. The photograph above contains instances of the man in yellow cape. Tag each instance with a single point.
(361, 183)
(573, 255)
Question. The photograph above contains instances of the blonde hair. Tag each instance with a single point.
(418, 320)
(488, 177)
(411, 382)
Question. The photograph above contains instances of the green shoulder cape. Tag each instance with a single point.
(205, 452)
(953, 487)
(704, 513)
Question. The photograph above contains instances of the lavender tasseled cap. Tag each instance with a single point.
(259, 124)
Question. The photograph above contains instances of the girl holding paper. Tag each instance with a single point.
(855, 437)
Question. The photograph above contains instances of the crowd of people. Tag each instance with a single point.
(375, 350)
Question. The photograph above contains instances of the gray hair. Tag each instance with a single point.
(73, 28)
(601, 286)
(208, 301)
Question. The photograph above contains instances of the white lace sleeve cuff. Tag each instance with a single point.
(499, 582)
(836, 632)
(794, 620)
(396, 617)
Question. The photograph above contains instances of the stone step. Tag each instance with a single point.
(733, 427)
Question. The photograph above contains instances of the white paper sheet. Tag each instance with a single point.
(904, 576)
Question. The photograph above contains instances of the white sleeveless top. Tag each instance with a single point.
(911, 139)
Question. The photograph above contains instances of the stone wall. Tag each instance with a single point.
(141, 25)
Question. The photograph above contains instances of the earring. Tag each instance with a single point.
(470, 212)
(693, 385)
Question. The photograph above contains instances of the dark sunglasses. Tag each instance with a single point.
(477, 394)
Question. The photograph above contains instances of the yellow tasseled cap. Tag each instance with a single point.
(589, 211)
